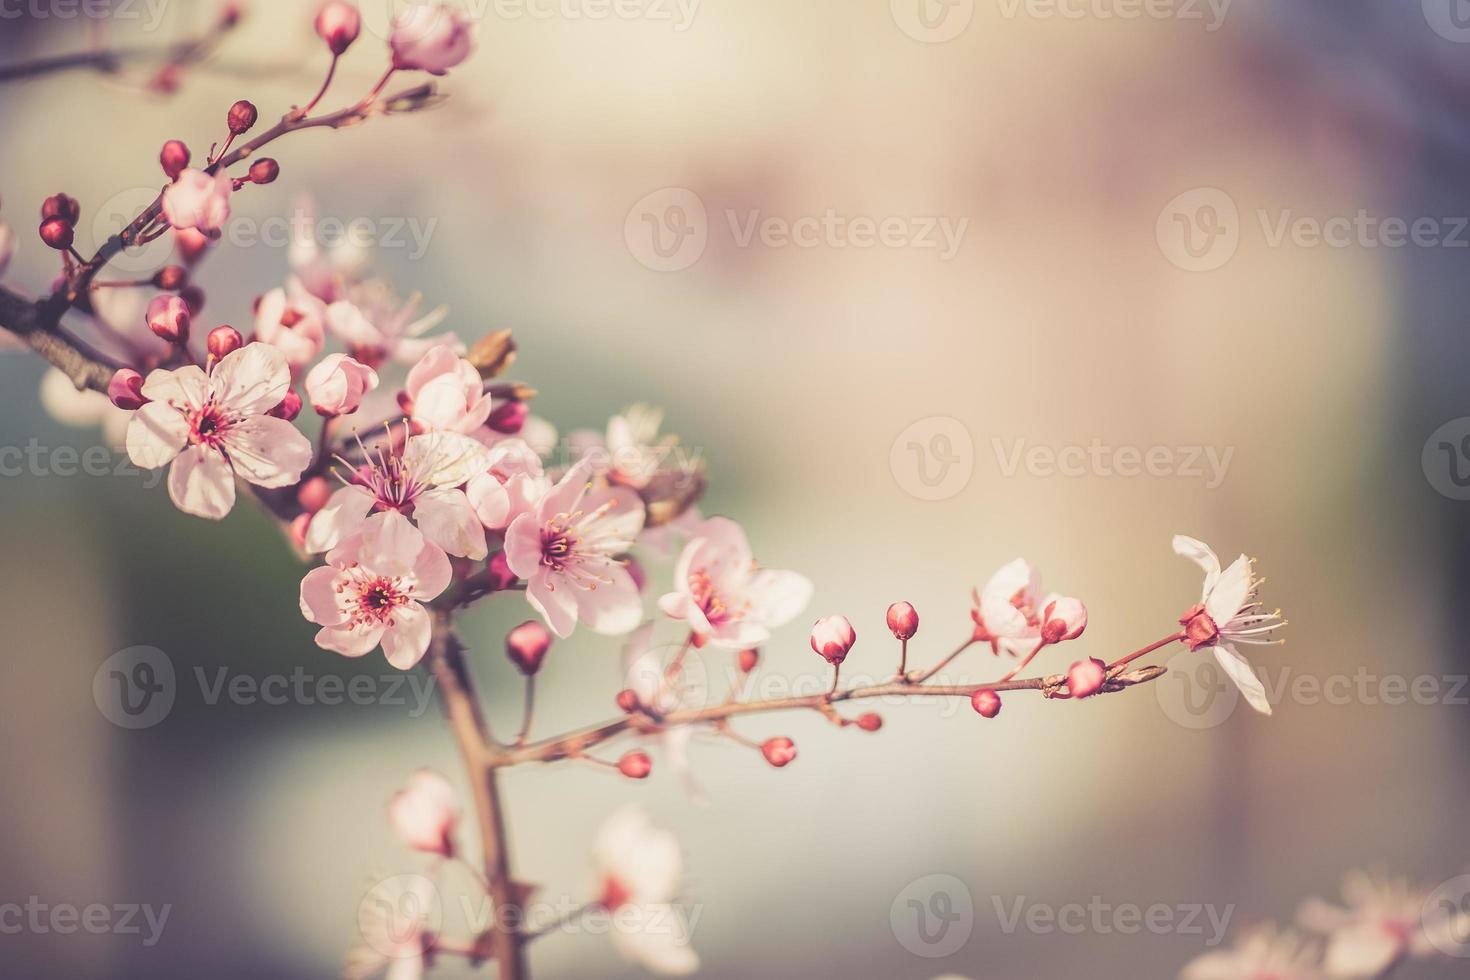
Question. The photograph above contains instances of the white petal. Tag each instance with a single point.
(488, 497)
(1365, 950)
(407, 639)
(778, 597)
(201, 483)
(445, 459)
(250, 380)
(188, 386)
(1199, 553)
(342, 516)
(654, 936)
(266, 451)
(1244, 677)
(390, 544)
(156, 433)
(447, 519)
(1230, 592)
(555, 604)
(354, 642)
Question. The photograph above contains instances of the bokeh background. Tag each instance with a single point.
(1071, 313)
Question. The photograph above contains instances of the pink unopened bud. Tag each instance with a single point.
(497, 570)
(223, 340)
(313, 494)
(174, 158)
(986, 702)
(526, 646)
(241, 117)
(193, 297)
(264, 171)
(338, 383)
(1063, 619)
(903, 620)
(628, 700)
(190, 243)
(870, 722)
(298, 527)
(289, 408)
(57, 233)
(748, 660)
(62, 206)
(508, 419)
(1086, 677)
(635, 765)
(779, 751)
(338, 24)
(168, 318)
(833, 637)
(171, 277)
(424, 813)
(126, 390)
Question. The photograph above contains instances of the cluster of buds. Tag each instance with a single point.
(59, 216)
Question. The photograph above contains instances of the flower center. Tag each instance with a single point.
(371, 600)
(208, 425)
(709, 600)
(614, 894)
(1199, 629)
(558, 546)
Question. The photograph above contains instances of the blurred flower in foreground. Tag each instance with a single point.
(395, 922)
(1383, 923)
(639, 867)
(1267, 952)
(424, 813)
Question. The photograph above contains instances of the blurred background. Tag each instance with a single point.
(1170, 235)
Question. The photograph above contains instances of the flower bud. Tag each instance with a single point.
(628, 700)
(903, 620)
(241, 117)
(508, 419)
(171, 277)
(288, 409)
(493, 353)
(526, 646)
(57, 233)
(168, 318)
(635, 765)
(61, 206)
(126, 390)
(986, 702)
(1063, 619)
(190, 244)
(1086, 677)
(832, 638)
(499, 573)
(313, 494)
(174, 158)
(338, 23)
(779, 751)
(337, 384)
(870, 722)
(297, 529)
(264, 171)
(224, 340)
(748, 660)
(193, 297)
(425, 812)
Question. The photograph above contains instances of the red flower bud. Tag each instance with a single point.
(832, 638)
(264, 171)
(224, 340)
(903, 620)
(628, 700)
(1086, 677)
(61, 206)
(499, 573)
(986, 702)
(870, 722)
(508, 419)
(526, 646)
(289, 408)
(338, 24)
(174, 158)
(635, 765)
(171, 277)
(168, 318)
(779, 751)
(57, 233)
(194, 297)
(126, 390)
(241, 117)
(313, 494)
(748, 660)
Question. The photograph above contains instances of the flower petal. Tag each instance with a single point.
(250, 380)
(447, 519)
(445, 459)
(340, 518)
(407, 640)
(319, 597)
(188, 386)
(266, 451)
(156, 433)
(390, 544)
(1199, 553)
(614, 606)
(201, 483)
(556, 605)
(1231, 591)
(1243, 676)
(777, 597)
(488, 497)
(431, 572)
(353, 642)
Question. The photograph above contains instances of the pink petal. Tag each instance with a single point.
(319, 597)
(156, 433)
(188, 386)
(431, 572)
(201, 483)
(251, 380)
(407, 640)
(523, 546)
(777, 597)
(353, 642)
(266, 451)
(491, 502)
(447, 519)
(341, 517)
(390, 544)
(554, 602)
(614, 607)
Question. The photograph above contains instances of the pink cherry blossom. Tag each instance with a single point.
(512, 484)
(632, 452)
(372, 590)
(1011, 609)
(568, 551)
(639, 869)
(214, 427)
(420, 481)
(199, 200)
(446, 392)
(336, 385)
(431, 38)
(1228, 613)
(722, 593)
(1383, 923)
(292, 322)
(424, 813)
(377, 327)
